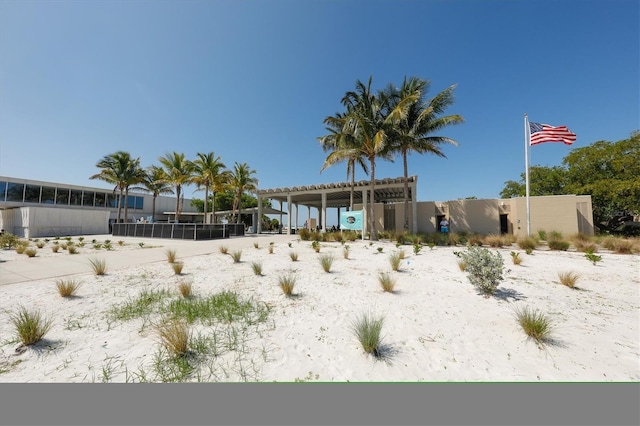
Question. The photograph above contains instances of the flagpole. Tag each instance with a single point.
(527, 137)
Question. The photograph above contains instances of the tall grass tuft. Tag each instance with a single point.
(394, 259)
(256, 245)
(31, 252)
(177, 267)
(236, 256)
(345, 251)
(31, 326)
(99, 266)
(568, 279)
(257, 268)
(67, 288)
(171, 255)
(387, 282)
(294, 256)
(71, 249)
(326, 260)
(185, 288)
(368, 329)
(174, 335)
(224, 249)
(287, 283)
(535, 324)
(55, 248)
(528, 243)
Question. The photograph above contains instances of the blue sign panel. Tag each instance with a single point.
(351, 220)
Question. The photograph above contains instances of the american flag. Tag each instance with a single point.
(544, 133)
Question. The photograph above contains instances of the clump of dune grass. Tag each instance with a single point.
(174, 335)
(171, 255)
(55, 248)
(185, 288)
(345, 251)
(368, 329)
(527, 243)
(294, 256)
(99, 266)
(30, 326)
(287, 282)
(256, 245)
(494, 240)
(63, 246)
(394, 260)
(177, 267)
(326, 261)
(256, 267)
(21, 247)
(622, 246)
(462, 265)
(31, 252)
(67, 288)
(224, 249)
(236, 256)
(515, 258)
(387, 282)
(270, 248)
(585, 246)
(401, 253)
(316, 246)
(535, 324)
(72, 249)
(555, 241)
(40, 244)
(568, 279)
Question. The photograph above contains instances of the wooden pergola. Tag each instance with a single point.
(337, 195)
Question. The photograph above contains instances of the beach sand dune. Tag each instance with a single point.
(436, 326)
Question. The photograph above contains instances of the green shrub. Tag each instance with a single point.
(515, 257)
(31, 326)
(558, 244)
(542, 235)
(592, 257)
(484, 268)
(8, 241)
(316, 246)
(416, 248)
(527, 243)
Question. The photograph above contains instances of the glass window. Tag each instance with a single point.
(87, 198)
(139, 203)
(101, 199)
(112, 200)
(131, 201)
(15, 191)
(63, 196)
(3, 189)
(76, 197)
(32, 194)
(48, 195)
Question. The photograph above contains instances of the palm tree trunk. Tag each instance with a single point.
(120, 205)
(178, 190)
(206, 200)
(153, 208)
(213, 206)
(353, 187)
(239, 207)
(372, 225)
(126, 204)
(406, 194)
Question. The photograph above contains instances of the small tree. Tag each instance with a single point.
(484, 269)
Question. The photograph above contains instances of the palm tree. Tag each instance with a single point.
(413, 126)
(179, 172)
(207, 169)
(156, 182)
(367, 121)
(241, 180)
(121, 170)
(343, 147)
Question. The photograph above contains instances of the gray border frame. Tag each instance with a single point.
(321, 404)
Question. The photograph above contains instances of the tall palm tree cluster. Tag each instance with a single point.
(207, 172)
(392, 122)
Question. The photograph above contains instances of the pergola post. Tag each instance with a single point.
(324, 212)
(258, 226)
(289, 212)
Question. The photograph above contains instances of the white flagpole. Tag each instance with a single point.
(527, 138)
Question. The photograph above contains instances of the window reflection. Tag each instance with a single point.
(15, 191)
(32, 194)
(48, 195)
(63, 196)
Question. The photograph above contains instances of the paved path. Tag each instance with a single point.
(38, 268)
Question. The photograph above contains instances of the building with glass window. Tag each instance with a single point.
(30, 208)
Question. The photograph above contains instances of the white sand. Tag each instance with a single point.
(436, 327)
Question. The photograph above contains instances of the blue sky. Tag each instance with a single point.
(253, 81)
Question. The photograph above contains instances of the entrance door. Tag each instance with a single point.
(504, 224)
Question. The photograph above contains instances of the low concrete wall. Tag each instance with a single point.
(32, 222)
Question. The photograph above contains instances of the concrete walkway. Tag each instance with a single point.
(26, 269)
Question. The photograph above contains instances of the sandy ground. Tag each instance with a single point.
(436, 326)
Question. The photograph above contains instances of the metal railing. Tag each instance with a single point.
(181, 231)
